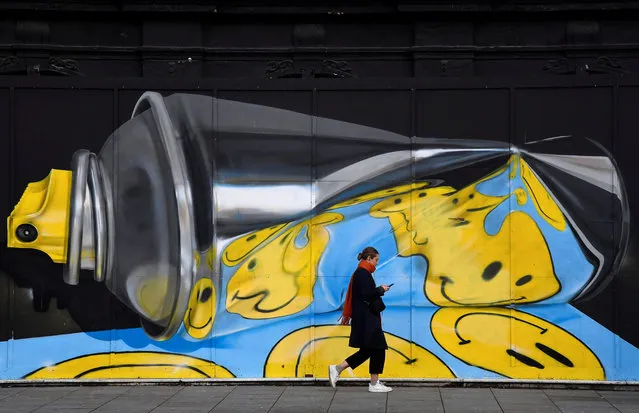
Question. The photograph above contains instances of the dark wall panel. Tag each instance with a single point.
(385, 109)
(54, 122)
(109, 67)
(50, 125)
(5, 208)
(626, 283)
(580, 112)
(463, 114)
(235, 35)
(5, 154)
(298, 101)
(388, 111)
(108, 31)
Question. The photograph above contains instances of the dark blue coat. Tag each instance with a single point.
(366, 327)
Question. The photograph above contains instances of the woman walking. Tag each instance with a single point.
(362, 307)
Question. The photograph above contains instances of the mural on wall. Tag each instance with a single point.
(232, 229)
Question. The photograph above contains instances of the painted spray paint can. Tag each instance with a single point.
(188, 173)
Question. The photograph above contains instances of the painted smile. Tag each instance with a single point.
(263, 294)
(198, 327)
(446, 280)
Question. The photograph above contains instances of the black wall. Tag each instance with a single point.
(269, 39)
(42, 122)
(70, 73)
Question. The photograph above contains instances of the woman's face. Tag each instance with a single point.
(373, 260)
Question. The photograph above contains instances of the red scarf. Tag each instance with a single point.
(345, 319)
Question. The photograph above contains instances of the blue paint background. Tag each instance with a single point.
(242, 345)
(244, 353)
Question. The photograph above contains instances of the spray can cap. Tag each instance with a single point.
(40, 220)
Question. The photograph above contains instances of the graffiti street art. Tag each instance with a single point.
(231, 229)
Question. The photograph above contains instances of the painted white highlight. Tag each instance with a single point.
(285, 199)
(429, 153)
(596, 170)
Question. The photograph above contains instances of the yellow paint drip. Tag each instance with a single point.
(543, 201)
(277, 277)
(466, 265)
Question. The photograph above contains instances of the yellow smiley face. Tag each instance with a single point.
(514, 344)
(239, 249)
(132, 365)
(198, 320)
(466, 265)
(311, 350)
(277, 278)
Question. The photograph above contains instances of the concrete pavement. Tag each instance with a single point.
(311, 399)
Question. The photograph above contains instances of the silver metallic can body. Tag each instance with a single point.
(188, 172)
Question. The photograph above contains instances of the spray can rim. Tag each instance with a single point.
(89, 180)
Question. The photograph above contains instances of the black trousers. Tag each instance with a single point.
(377, 356)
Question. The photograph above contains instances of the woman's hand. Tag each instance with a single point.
(385, 287)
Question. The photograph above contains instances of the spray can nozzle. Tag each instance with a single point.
(125, 214)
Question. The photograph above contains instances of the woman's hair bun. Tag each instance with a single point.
(367, 252)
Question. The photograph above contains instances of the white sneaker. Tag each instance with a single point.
(333, 375)
(378, 388)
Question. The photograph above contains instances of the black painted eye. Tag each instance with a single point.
(284, 238)
(471, 196)
(555, 354)
(398, 201)
(455, 200)
(523, 280)
(250, 237)
(390, 190)
(205, 294)
(524, 359)
(252, 264)
(422, 194)
(491, 270)
(26, 233)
